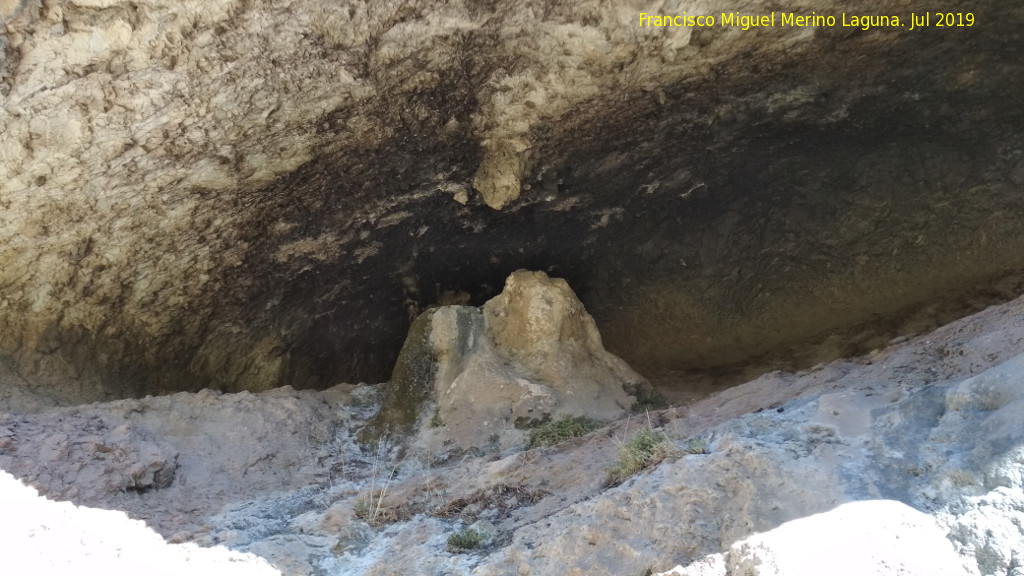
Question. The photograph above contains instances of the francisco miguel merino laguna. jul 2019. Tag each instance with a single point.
(791, 19)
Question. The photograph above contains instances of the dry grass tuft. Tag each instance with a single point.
(644, 450)
(565, 428)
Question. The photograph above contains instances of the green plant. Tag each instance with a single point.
(645, 449)
(362, 509)
(466, 539)
(648, 399)
(696, 445)
(436, 421)
(561, 430)
(493, 443)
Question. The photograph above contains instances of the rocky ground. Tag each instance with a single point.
(823, 471)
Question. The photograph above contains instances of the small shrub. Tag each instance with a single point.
(696, 446)
(362, 509)
(648, 399)
(645, 449)
(436, 421)
(561, 430)
(466, 539)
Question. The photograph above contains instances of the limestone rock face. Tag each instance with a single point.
(470, 376)
(901, 482)
(539, 324)
(909, 460)
(242, 195)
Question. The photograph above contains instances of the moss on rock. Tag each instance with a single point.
(410, 385)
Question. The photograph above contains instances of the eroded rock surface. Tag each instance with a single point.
(243, 195)
(923, 438)
(468, 377)
(194, 448)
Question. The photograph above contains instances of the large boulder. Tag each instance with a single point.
(475, 377)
